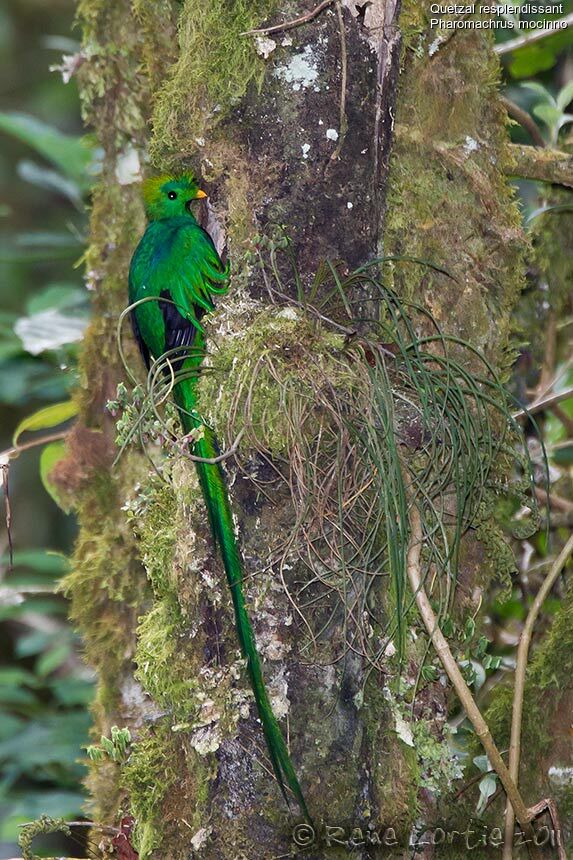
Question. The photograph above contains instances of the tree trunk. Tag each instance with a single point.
(290, 128)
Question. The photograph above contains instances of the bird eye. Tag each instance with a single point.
(172, 195)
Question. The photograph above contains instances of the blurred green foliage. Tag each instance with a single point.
(46, 168)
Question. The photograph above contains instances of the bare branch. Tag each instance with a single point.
(525, 120)
(534, 36)
(542, 165)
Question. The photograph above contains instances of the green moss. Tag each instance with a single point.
(149, 776)
(105, 583)
(113, 88)
(154, 515)
(395, 769)
(447, 176)
(552, 664)
(164, 668)
(438, 769)
(266, 370)
(215, 66)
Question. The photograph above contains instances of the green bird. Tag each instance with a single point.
(174, 274)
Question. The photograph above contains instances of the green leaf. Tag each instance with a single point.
(16, 697)
(72, 155)
(469, 629)
(562, 455)
(14, 676)
(30, 805)
(447, 626)
(482, 763)
(49, 458)
(59, 296)
(548, 114)
(24, 379)
(537, 57)
(73, 691)
(33, 643)
(487, 788)
(53, 659)
(540, 90)
(9, 725)
(52, 564)
(565, 96)
(429, 673)
(46, 418)
(50, 180)
(49, 747)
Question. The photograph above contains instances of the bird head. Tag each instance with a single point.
(170, 196)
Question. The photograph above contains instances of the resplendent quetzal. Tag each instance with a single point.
(177, 270)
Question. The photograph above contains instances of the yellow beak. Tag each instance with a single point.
(200, 195)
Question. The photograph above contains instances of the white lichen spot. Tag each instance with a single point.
(350, 205)
(301, 71)
(287, 42)
(200, 838)
(288, 313)
(321, 122)
(209, 713)
(305, 149)
(278, 690)
(264, 46)
(403, 730)
(434, 47)
(562, 775)
(470, 145)
(206, 740)
(128, 166)
(331, 134)
(390, 649)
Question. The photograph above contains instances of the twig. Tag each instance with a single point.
(5, 457)
(8, 509)
(545, 403)
(452, 669)
(213, 460)
(523, 814)
(556, 503)
(525, 120)
(534, 36)
(12, 453)
(519, 688)
(548, 366)
(289, 25)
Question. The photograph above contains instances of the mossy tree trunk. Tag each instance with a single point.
(294, 128)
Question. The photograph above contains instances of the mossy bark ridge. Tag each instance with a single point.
(293, 129)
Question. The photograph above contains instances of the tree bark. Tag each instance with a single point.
(299, 137)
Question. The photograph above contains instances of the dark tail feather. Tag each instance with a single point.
(216, 498)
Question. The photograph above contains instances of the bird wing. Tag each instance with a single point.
(190, 275)
(179, 266)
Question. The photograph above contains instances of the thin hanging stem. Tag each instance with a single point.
(519, 688)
